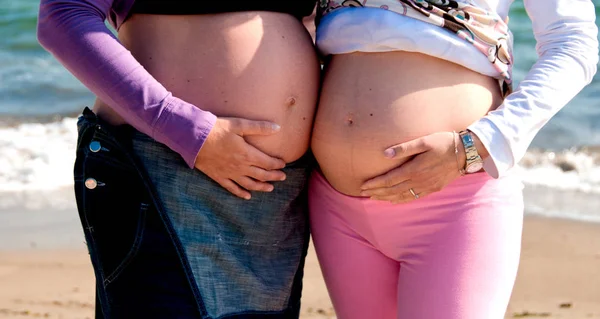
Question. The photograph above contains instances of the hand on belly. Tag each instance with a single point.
(434, 164)
(371, 101)
(236, 165)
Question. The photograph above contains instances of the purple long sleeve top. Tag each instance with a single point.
(75, 33)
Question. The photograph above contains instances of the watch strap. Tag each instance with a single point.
(470, 149)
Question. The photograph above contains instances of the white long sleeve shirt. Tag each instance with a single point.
(567, 48)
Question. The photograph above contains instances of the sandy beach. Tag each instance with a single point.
(45, 270)
(559, 277)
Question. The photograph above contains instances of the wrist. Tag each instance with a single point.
(470, 161)
(461, 156)
(481, 150)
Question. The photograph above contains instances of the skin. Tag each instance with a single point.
(373, 103)
(429, 171)
(257, 71)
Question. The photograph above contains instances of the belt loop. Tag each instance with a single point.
(89, 115)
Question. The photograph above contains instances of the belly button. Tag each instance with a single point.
(349, 120)
(291, 101)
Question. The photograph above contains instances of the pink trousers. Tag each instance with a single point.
(450, 255)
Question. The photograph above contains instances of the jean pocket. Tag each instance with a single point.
(115, 203)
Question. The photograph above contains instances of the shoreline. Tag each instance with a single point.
(559, 277)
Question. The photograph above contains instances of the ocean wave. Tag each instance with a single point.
(35, 156)
(41, 156)
(574, 169)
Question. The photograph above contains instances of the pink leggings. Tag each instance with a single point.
(450, 255)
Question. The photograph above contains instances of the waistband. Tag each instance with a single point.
(469, 183)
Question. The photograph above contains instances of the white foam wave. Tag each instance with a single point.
(41, 156)
(37, 156)
(577, 170)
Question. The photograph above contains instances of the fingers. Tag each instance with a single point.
(395, 199)
(387, 191)
(407, 149)
(234, 189)
(391, 178)
(236, 165)
(401, 196)
(265, 175)
(262, 160)
(255, 157)
(253, 185)
(244, 127)
(248, 184)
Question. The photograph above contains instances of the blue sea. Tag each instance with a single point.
(39, 101)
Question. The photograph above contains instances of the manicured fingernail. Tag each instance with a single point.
(276, 127)
(390, 152)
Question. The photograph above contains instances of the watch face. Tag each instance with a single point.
(474, 167)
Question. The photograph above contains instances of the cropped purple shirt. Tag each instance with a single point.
(75, 33)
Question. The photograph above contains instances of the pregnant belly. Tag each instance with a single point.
(253, 65)
(371, 101)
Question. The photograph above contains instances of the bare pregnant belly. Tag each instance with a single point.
(253, 65)
(371, 101)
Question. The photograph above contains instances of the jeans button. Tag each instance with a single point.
(95, 146)
(91, 183)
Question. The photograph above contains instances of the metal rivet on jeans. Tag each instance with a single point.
(91, 183)
(95, 146)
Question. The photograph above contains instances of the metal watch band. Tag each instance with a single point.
(470, 149)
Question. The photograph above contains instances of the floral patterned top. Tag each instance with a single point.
(485, 30)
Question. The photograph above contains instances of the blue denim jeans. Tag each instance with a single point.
(166, 241)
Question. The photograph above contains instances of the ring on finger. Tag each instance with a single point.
(412, 191)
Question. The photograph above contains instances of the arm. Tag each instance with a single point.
(75, 33)
(567, 47)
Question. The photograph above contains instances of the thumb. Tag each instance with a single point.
(244, 127)
(407, 149)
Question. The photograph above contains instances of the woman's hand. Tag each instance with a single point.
(433, 166)
(233, 163)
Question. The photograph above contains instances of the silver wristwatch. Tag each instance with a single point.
(474, 161)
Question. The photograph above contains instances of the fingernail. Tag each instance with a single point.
(364, 193)
(390, 152)
(247, 197)
(276, 127)
(283, 178)
(270, 188)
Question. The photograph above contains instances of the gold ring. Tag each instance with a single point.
(413, 193)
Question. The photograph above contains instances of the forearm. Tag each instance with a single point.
(75, 33)
(567, 46)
